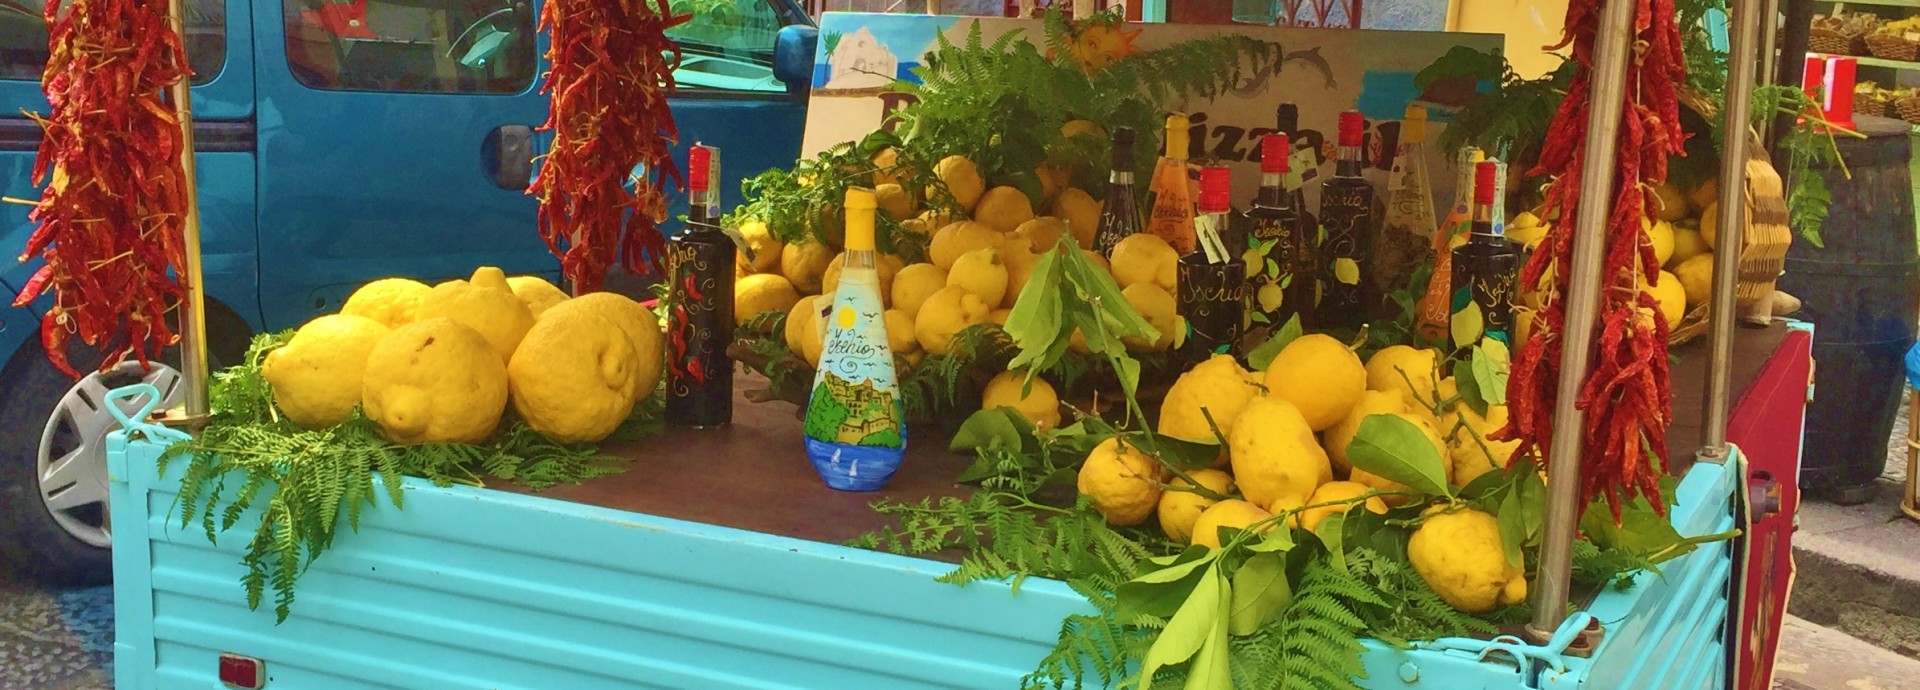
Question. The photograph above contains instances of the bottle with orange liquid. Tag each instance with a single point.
(1436, 307)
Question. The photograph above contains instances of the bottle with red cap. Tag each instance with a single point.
(1211, 292)
(1349, 223)
(700, 305)
(1485, 269)
(1280, 244)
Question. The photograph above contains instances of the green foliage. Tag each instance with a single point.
(303, 481)
(1509, 121)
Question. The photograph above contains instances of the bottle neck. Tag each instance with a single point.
(1483, 226)
(1347, 162)
(1120, 177)
(1272, 193)
(861, 258)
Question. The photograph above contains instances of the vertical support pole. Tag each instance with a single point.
(193, 310)
(1742, 30)
(1607, 104)
(1769, 48)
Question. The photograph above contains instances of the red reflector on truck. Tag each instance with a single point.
(242, 672)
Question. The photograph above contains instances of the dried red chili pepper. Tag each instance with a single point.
(1627, 395)
(612, 68)
(110, 222)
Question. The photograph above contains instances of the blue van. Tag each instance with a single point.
(338, 141)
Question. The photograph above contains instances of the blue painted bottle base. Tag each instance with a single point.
(854, 468)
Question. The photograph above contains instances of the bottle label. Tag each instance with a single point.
(1172, 215)
(1482, 304)
(1271, 254)
(699, 328)
(1346, 218)
(1213, 300)
(855, 433)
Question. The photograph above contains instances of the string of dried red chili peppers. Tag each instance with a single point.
(109, 224)
(612, 68)
(1627, 397)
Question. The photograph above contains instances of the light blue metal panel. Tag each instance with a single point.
(471, 588)
(483, 589)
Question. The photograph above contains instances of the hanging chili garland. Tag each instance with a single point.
(110, 222)
(1627, 397)
(612, 69)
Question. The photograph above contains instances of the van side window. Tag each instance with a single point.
(23, 38)
(421, 46)
(726, 46)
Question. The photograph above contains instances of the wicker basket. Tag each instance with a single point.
(1824, 40)
(1866, 106)
(1907, 109)
(1893, 47)
(1763, 253)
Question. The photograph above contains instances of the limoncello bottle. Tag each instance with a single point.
(856, 431)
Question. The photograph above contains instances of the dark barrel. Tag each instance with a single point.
(1862, 292)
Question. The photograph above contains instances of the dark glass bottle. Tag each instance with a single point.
(1282, 282)
(1286, 120)
(1120, 215)
(1347, 217)
(1211, 292)
(1485, 270)
(700, 306)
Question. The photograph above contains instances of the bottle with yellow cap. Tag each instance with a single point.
(1406, 233)
(1171, 216)
(855, 423)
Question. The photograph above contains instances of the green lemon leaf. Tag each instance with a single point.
(1276, 541)
(1036, 321)
(1128, 371)
(1513, 530)
(1184, 454)
(1640, 531)
(1211, 669)
(1469, 388)
(1198, 618)
(1260, 591)
(1490, 366)
(1394, 448)
(1263, 355)
(1001, 427)
(1332, 533)
(1346, 271)
(1160, 592)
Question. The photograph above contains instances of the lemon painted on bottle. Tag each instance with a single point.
(855, 427)
(1484, 269)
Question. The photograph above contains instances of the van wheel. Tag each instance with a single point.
(54, 526)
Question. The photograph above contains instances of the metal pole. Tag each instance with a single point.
(193, 310)
(1742, 27)
(1769, 66)
(1608, 102)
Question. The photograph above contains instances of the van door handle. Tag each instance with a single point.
(507, 154)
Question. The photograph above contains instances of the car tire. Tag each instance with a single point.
(67, 547)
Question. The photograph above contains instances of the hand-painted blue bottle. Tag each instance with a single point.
(856, 431)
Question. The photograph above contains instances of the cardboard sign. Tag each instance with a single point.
(1325, 72)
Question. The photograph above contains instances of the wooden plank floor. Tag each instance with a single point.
(755, 476)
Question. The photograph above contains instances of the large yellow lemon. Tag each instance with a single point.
(804, 264)
(946, 313)
(1462, 558)
(759, 293)
(1039, 405)
(317, 375)
(1145, 258)
(1081, 212)
(1275, 454)
(484, 306)
(1406, 371)
(394, 302)
(982, 273)
(1157, 306)
(895, 201)
(1320, 376)
(914, 284)
(641, 327)
(572, 378)
(1217, 387)
(1696, 278)
(1341, 434)
(435, 380)
(536, 292)
(1179, 510)
(1232, 513)
(959, 238)
(1333, 492)
(1122, 481)
(766, 248)
(962, 180)
(1004, 208)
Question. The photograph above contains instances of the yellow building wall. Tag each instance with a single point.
(1529, 26)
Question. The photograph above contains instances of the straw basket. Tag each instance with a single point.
(1764, 238)
(1824, 40)
(1893, 47)
(1908, 109)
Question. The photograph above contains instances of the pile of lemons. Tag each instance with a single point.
(978, 260)
(1681, 234)
(442, 363)
(1287, 432)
